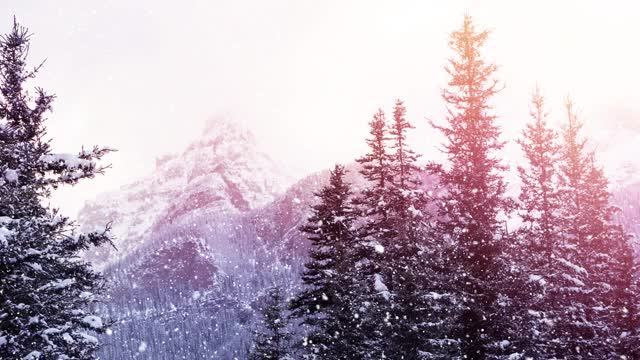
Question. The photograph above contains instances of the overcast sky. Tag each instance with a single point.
(144, 76)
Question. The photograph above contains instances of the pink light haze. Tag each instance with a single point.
(145, 76)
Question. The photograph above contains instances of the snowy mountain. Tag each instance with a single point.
(223, 173)
(194, 288)
(198, 241)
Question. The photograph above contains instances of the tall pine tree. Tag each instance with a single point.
(474, 203)
(375, 231)
(576, 335)
(599, 272)
(404, 261)
(612, 269)
(329, 305)
(376, 169)
(539, 196)
(46, 289)
(538, 238)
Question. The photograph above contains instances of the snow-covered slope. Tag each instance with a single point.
(222, 173)
(204, 278)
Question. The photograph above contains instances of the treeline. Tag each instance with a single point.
(401, 271)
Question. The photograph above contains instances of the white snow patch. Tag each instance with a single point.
(35, 266)
(88, 338)
(142, 347)
(339, 219)
(31, 251)
(435, 295)
(66, 337)
(11, 175)
(33, 355)
(378, 248)
(4, 233)
(59, 284)
(573, 266)
(380, 287)
(51, 331)
(93, 321)
(538, 279)
(413, 211)
(70, 160)
(573, 280)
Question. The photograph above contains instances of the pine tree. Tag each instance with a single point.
(537, 245)
(376, 169)
(328, 306)
(539, 196)
(622, 300)
(375, 231)
(575, 333)
(403, 159)
(404, 263)
(473, 203)
(46, 289)
(600, 310)
(272, 343)
(407, 198)
(613, 308)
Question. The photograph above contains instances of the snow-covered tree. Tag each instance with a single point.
(538, 238)
(580, 264)
(623, 304)
(473, 204)
(405, 171)
(376, 169)
(375, 230)
(46, 289)
(574, 333)
(328, 305)
(539, 197)
(613, 304)
(272, 341)
(404, 254)
(597, 275)
(407, 200)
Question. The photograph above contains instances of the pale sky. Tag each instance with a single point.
(306, 76)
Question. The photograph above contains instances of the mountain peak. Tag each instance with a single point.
(221, 172)
(227, 126)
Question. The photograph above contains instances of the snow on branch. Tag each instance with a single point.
(70, 168)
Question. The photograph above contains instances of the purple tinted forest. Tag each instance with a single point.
(387, 257)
